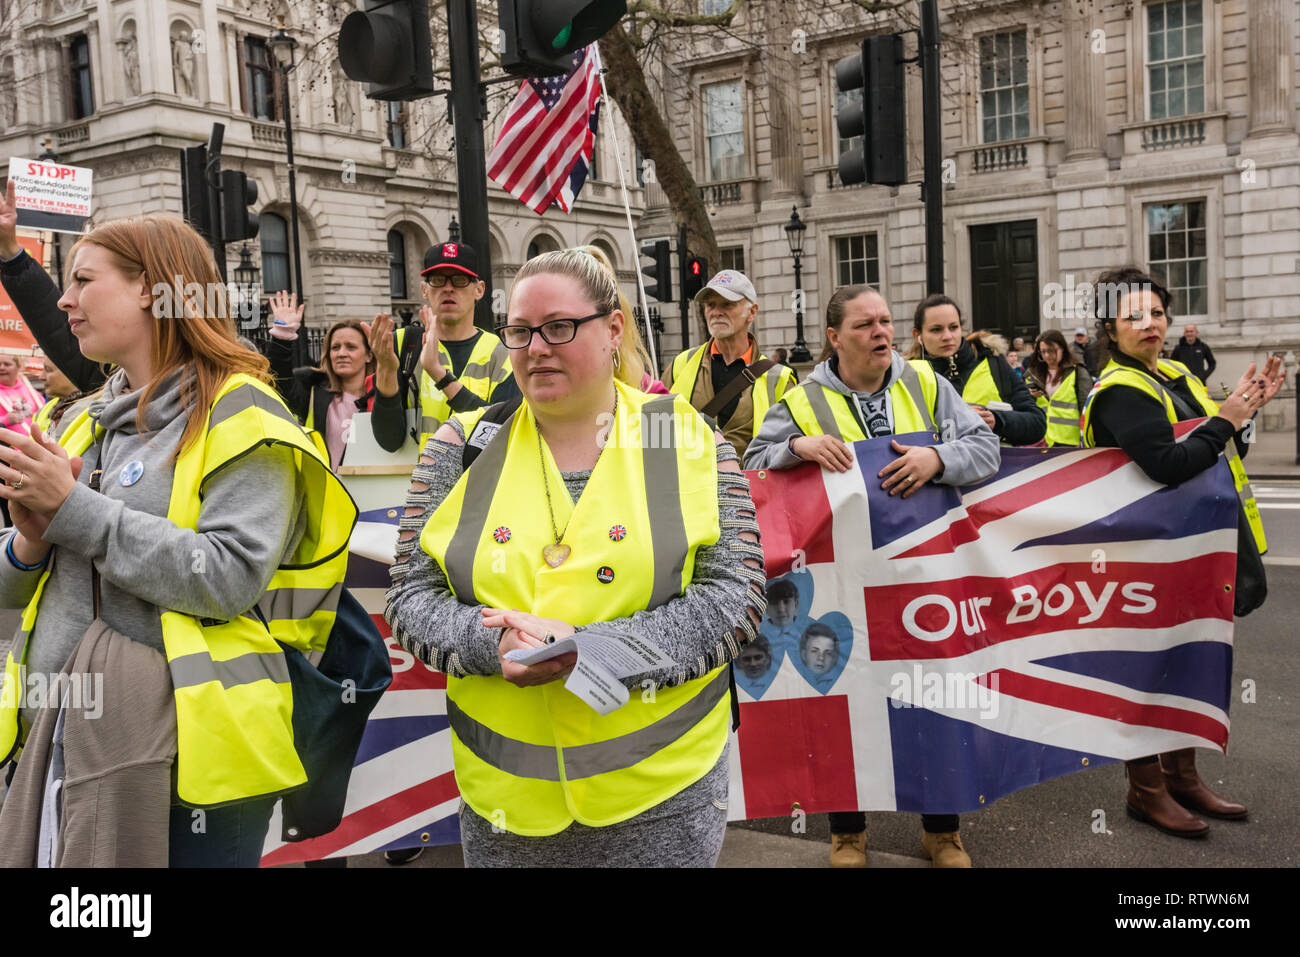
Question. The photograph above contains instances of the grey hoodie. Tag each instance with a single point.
(969, 454)
(250, 520)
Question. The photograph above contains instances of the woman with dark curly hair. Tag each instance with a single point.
(1138, 398)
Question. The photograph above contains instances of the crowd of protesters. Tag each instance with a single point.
(176, 418)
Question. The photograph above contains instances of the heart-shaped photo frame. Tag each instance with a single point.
(789, 599)
(824, 649)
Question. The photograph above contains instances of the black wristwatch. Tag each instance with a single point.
(445, 381)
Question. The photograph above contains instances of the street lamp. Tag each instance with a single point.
(794, 233)
(282, 48)
(453, 230)
(247, 277)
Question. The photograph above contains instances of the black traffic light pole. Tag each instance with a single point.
(469, 110)
(933, 187)
(683, 256)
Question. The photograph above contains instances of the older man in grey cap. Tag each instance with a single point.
(728, 378)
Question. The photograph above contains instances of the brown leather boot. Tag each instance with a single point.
(1186, 787)
(849, 850)
(1149, 801)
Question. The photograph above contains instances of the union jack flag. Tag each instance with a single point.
(403, 790)
(544, 150)
(964, 644)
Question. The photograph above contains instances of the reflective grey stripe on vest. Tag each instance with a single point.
(816, 395)
(19, 648)
(246, 397)
(539, 762)
(912, 383)
(429, 425)
(299, 603)
(199, 668)
(480, 487)
(663, 499)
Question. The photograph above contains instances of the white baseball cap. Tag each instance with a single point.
(1081, 331)
(730, 285)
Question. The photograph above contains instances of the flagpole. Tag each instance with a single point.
(627, 208)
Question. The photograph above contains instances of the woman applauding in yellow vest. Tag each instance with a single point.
(588, 503)
(188, 512)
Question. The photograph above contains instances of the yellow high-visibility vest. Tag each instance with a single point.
(1063, 412)
(488, 366)
(820, 410)
(534, 760)
(980, 387)
(1116, 374)
(767, 389)
(234, 702)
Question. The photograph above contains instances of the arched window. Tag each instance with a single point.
(273, 234)
(396, 264)
(607, 249)
(541, 244)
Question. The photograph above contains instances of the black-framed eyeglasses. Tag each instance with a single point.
(458, 279)
(557, 332)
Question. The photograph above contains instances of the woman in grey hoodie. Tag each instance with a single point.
(173, 360)
(863, 389)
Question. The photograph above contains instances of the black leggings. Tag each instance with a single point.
(854, 822)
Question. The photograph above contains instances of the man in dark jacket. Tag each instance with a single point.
(1194, 353)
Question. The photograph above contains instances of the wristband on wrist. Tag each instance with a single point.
(445, 381)
(13, 559)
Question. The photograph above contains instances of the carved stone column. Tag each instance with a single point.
(1271, 66)
(1085, 67)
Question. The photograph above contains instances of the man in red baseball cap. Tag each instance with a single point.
(464, 367)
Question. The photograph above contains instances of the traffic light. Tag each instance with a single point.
(695, 276)
(879, 118)
(541, 36)
(238, 192)
(195, 198)
(661, 271)
(388, 47)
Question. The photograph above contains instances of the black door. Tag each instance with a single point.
(1004, 278)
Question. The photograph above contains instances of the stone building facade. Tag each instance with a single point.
(122, 86)
(1077, 135)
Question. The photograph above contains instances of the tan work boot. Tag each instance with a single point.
(945, 850)
(849, 850)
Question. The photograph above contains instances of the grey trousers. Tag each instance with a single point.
(684, 831)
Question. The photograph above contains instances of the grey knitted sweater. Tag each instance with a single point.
(704, 628)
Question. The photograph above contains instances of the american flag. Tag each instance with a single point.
(1066, 613)
(543, 152)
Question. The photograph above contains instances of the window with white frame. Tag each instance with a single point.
(1004, 86)
(1177, 253)
(724, 130)
(1175, 59)
(713, 7)
(731, 257)
(857, 260)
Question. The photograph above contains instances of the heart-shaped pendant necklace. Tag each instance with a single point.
(557, 554)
